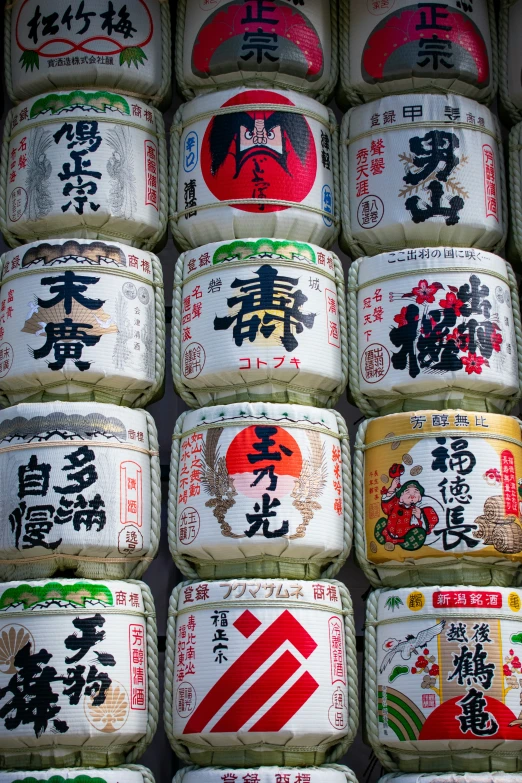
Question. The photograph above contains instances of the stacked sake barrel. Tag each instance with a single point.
(82, 347)
(435, 364)
(260, 664)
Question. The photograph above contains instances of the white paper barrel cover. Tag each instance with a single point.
(89, 164)
(422, 170)
(92, 46)
(271, 676)
(259, 319)
(78, 673)
(259, 489)
(129, 773)
(442, 678)
(221, 44)
(81, 490)
(434, 327)
(397, 46)
(254, 162)
(81, 320)
(328, 773)
(438, 498)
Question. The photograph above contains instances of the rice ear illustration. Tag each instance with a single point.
(120, 168)
(310, 484)
(39, 170)
(217, 482)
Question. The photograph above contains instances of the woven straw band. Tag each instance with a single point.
(443, 433)
(75, 611)
(261, 603)
(296, 425)
(88, 269)
(249, 261)
(77, 558)
(425, 124)
(232, 202)
(68, 443)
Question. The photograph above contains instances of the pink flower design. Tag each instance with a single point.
(401, 319)
(461, 340)
(473, 363)
(425, 292)
(507, 671)
(451, 302)
(496, 339)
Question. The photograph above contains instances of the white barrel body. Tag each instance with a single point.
(92, 46)
(436, 327)
(125, 774)
(80, 490)
(258, 489)
(422, 170)
(441, 500)
(71, 686)
(238, 696)
(399, 47)
(259, 319)
(84, 164)
(81, 320)
(425, 709)
(328, 773)
(222, 44)
(267, 168)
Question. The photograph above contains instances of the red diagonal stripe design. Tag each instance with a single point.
(290, 702)
(259, 693)
(285, 628)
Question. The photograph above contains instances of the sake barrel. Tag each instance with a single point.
(79, 673)
(129, 773)
(434, 327)
(397, 46)
(80, 490)
(259, 319)
(259, 489)
(96, 45)
(328, 773)
(81, 320)
(438, 498)
(442, 678)
(510, 61)
(422, 170)
(254, 162)
(84, 164)
(219, 45)
(225, 705)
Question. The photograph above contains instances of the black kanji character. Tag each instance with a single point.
(67, 340)
(261, 44)
(90, 513)
(86, 474)
(429, 152)
(457, 632)
(33, 478)
(68, 288)
(435, 209)
(404, 337)
(33, 699)
(435, 13)
(457, 530)
(474, 716)
(98, 685)
(435, 51)
(35, 522)
(122, 26)
(262, 519)
(269, 292)
(262, 8)
(75, 682)
(89, 636)
(471, 667)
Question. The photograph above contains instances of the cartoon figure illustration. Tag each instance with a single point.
(411, 645)
(406, 524)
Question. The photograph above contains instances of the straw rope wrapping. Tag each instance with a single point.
(371, 685)
(147, 775)
(166, 59)
(13, 240)
(348, 242)
(152, 670)
(514, 111)
(349, 775)
(185, 565)
(373, 406)
(333, 753)
(417, 572)
(18, 566)
(176, 132)
(303, 394)
(256, 80)
(351, 95)
(515, 185)
(98, 392)
(4, 401)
